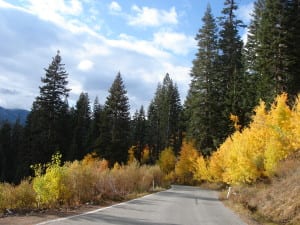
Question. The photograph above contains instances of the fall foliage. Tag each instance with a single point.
(184, 167)
(255, 151)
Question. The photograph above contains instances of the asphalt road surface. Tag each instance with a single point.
(181, 205)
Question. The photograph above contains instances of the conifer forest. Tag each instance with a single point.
(240, 117)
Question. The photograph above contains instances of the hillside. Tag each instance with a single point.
(11, 115)
(274, 201)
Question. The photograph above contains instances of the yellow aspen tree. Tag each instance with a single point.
(184, 166)
(167, 160)
(278, 146)
(243, 161)
(217, 163)
(200, 172)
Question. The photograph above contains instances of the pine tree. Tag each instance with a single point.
(95, 124)
(230, 66)
(273, 59)
(164, 118)
(153, 129)
(117, 121)
(138, 132)
(82, 119)
(272, 52)
(250, 56)
(202, 101)
(293, 47)
(45, 122)
(253, 42)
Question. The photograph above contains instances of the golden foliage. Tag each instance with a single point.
(185, 166)
(131, 155)
(279, 121)
(255, 151)
(90, 180)
(167, 160)
(200, 172)
(49, 187)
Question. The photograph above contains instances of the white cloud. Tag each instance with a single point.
(4, 4)
(115, 7)
(142, 47)
(178, 43)
(75, 86)
(57, 11)
(85, 65)
(56, 6)
(95, 49)
(152, 17)
(143, 63)
(180, 74)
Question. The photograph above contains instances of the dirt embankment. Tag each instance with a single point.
(272, 201)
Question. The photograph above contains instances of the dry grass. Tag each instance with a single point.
(274, 201)
(21, 197)
(89, 181)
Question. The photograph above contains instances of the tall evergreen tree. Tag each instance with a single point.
(96, 122)
(45, 122)
(138, 131)
(253, 41)
(272, 61)
(164, 118)
(230, 66)
(202, 105)
(117, 118)
(82, 120)
(272, 52)
(251, 75)
(293, 47)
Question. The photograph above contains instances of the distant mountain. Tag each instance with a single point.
(11, 115)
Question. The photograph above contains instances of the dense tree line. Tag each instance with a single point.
(228, 77)
(53, 126)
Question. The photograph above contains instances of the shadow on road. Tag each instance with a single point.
(177, 192)
(117, 220)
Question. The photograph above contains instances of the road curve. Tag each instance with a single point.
(180, 205)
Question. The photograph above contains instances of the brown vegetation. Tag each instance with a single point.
(275, 200)
(80, 182)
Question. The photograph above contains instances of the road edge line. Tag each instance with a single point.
(94, 211)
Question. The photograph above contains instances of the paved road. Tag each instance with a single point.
(181, 205)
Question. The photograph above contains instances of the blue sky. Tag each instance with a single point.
(143, 40)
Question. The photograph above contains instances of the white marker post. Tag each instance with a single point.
(229, 192)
